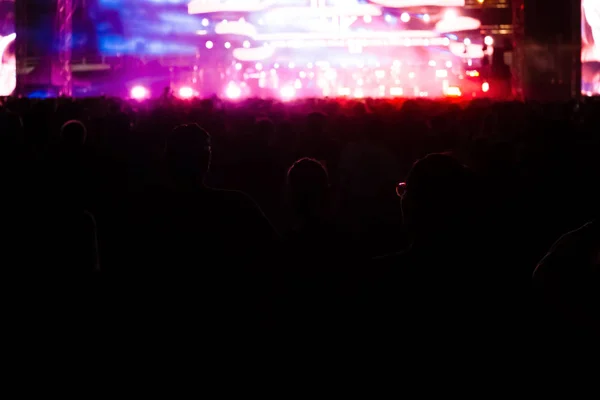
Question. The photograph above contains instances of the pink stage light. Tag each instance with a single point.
(186, 92)
(233, 92)
(139, 93)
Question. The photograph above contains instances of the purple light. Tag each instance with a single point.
(139, 93)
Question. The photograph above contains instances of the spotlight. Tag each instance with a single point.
(238, 67)
(209, 45)
(432, 63)
(388, 18)
(396, 91)
(288, 93)
(405, 17)
(359, 94)
(367, 19)
(446, 41)
(448, 64)
(411, 75)
(233, 92)
(441, 73)
(258, 66)
(485, 87)
(227, 45)
(467, 42)
(186, 92)
(489, 41)
(276, 65)
(139, 93)
(246, 44)
(298, 84)
(426, 18)
(204, 22)
(291, 65)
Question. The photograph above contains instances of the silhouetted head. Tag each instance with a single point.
(438, 197)
(308, 187)
(188, 154)
(73, 134)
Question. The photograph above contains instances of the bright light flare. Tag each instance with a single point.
(488, 40)
(485, 87)
(227, 45)
(473, 74)
(441, 73)
(396, 91)
(209, 45)
(186, 92)
(405, 17)
(467, 42)
(453, 91)
(367, 19)
(288, 93)
(448, 64)
(233, 92)
(139, 93)
(426, 18)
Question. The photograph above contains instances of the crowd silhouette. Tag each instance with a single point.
(420, 219)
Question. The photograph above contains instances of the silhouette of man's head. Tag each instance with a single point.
(308, 185)
(438, 197)
(188, 153)
(73, 134)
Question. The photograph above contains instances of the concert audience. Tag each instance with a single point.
(166, 194)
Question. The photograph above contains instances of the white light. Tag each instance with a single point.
(344, 91)
(397, 63)
(209, 45)
(309, 65)
(186, 92)
(224, 21)
(288, 92)
(380, 74)
(258, 66)
(423, 94)
(360, 82)
(448, 64)
(432, 63)
(467, 42)
(241, 20)
(331, 74)
(139, 93)
(227, 45)
(359, 94)
(411, 75)
(388, 18)
(291, 65)
(451, 15)
(441, 73)
(426, 18)
(311, 75)
(298, 84)
(488, 40)
(233, 91)
(470, 62)
(263, 74)
(405, 17)
(238, 67)
(446, 41)
(367, 19)
(485, 87)
(276, 65)
(407, 42)
(302, 74)
(396, 91)
(204, 22)
(246, 44)
(261, 22)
